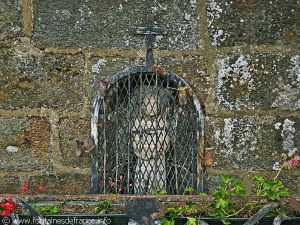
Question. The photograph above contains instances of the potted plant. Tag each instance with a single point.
(231, 206)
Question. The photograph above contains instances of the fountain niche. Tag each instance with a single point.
(147, 131)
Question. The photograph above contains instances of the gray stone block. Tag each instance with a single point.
(252, 142)
(43, 80)
(71, 132)
(10, 20)
(111, 25)
(30, 140)
(258, 80)
(233, 23)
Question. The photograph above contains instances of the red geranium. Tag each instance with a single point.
(24, 188)
(6, 213)
(41, 188)
(293, 161)
(8, 206)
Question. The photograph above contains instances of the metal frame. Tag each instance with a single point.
(98, 103)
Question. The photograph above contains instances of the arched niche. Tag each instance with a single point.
(148, 134)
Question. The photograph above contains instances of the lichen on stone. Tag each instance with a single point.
(230, 76)
(289, 98)
(288, 132)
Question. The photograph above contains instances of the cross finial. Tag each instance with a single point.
(150, 31)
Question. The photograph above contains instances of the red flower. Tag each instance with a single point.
(8, 206)
(6, 213)
(24, 188)
(41, 188)
(293, 161)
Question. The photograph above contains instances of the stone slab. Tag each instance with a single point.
(10, 20)
(74, 138)
(258, 81)
(237, 22)
(24, 143)
(31, 79)
(112, 25)
(251, 142)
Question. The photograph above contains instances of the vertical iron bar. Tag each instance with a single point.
(156, 133)
(117, 139)
(175, 151)
(104, 145)
(129, 132)
(166, 133)
(192, 134)
(140, 177)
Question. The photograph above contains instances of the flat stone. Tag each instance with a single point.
(10, 20)
(10, 185)
(258, 80)
(30, 79)
(65, 183)
(31, 136)
(107, 25)
(251, 143)
(71, 132)
(12, 149)
(233, 23)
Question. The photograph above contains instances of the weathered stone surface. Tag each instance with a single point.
(258, 80)
(291, 181)
(107, 24)
(252, 142)
(29, 138)
(31, 79)
(66, 183)
(74, 137)
(10, 185)
(192, 69)
(237, 22)
(105, 67)
(10, 20)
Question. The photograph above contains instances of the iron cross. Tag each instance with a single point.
(150, 31)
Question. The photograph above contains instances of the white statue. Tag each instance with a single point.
(150, 142)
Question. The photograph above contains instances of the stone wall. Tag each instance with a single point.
(241, 58)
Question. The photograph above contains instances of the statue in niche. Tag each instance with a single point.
(150, 139)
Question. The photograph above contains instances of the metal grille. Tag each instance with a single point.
(148, 136)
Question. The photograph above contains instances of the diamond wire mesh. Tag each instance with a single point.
(148, 137)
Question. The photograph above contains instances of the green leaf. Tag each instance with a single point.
(165, 221)
(226, 178)
(221, 203)
(258, 179)
(239, 189)
(202, 194)
(189, 190)
(191, 221)
(159, 192)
